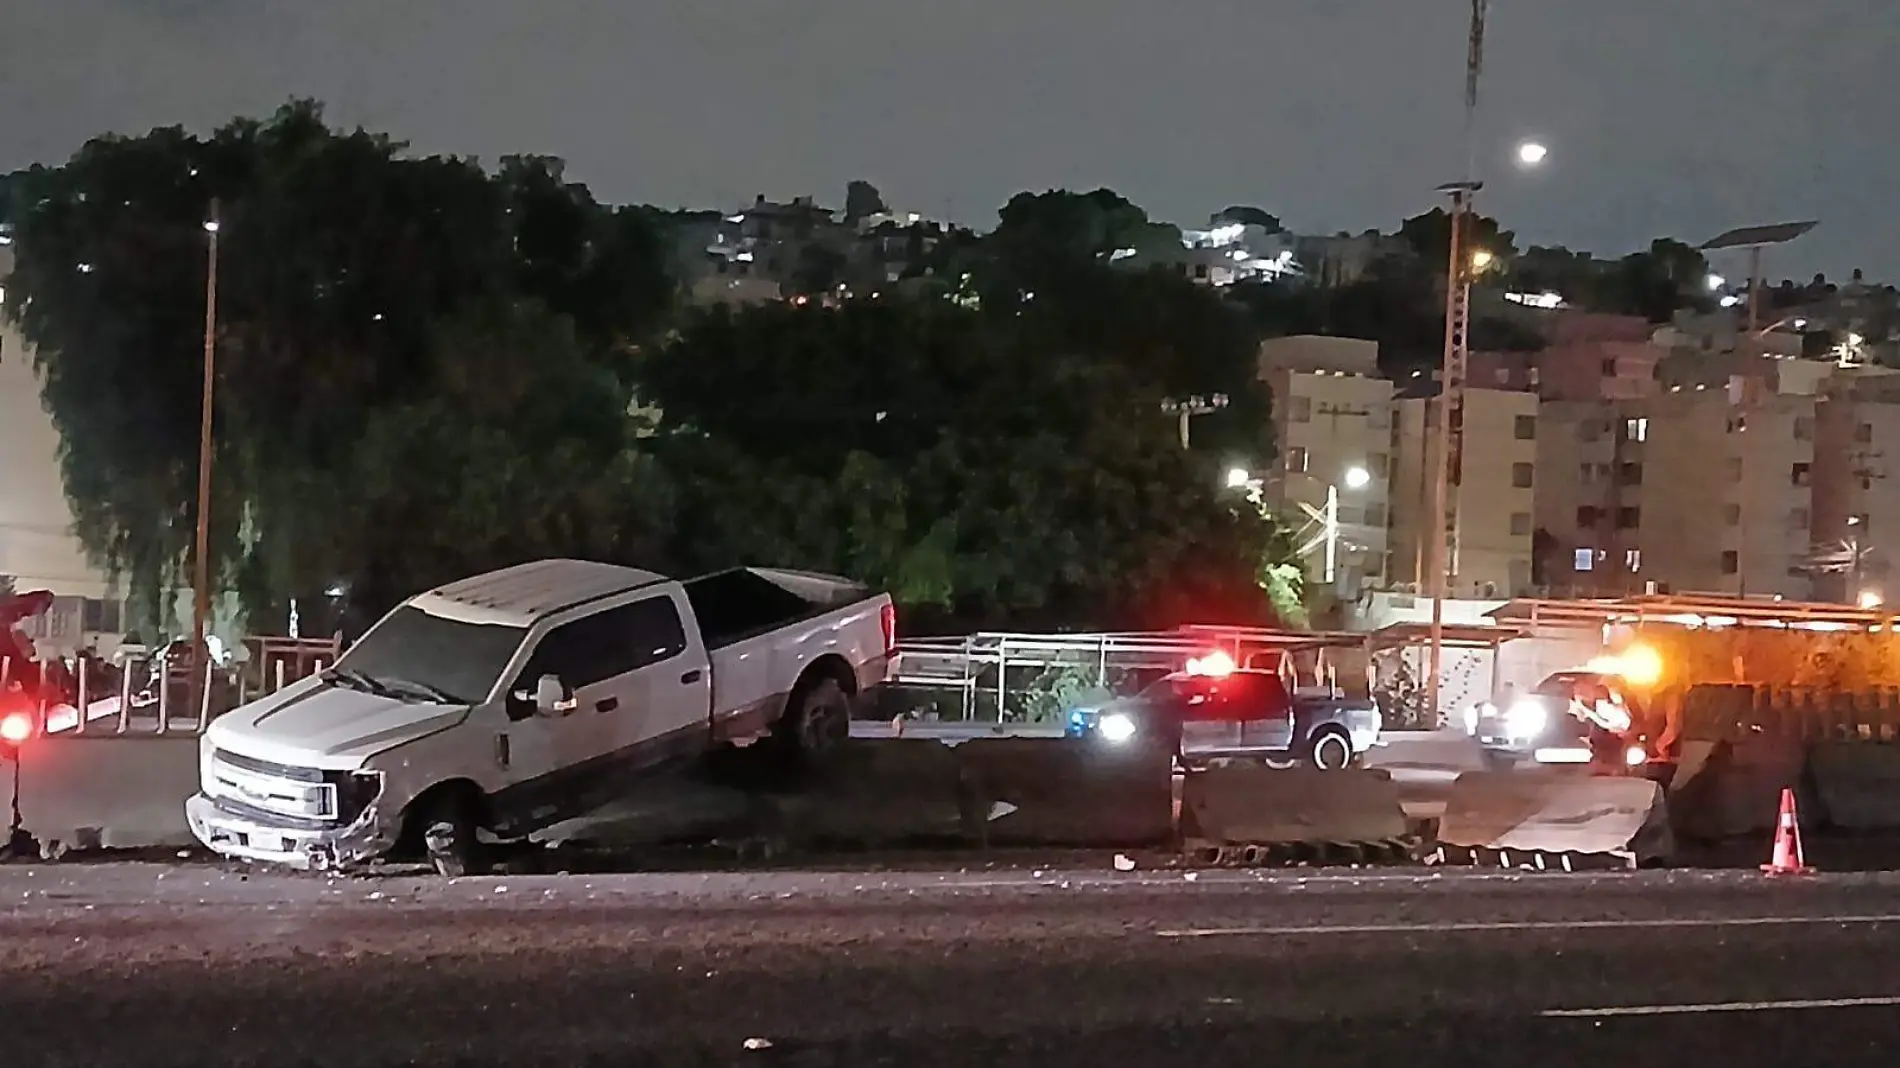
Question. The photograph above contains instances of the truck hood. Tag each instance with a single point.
(315, 724)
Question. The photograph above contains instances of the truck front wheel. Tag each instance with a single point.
(449, 835)
(817, 719)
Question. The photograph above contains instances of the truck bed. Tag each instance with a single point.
(762, 626)
(745, 602)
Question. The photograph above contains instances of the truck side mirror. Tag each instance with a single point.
(551, 696)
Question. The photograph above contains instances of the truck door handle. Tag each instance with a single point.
(607, 704)
(690, 677)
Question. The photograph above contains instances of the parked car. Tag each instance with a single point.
(1214, 711)
(505, 703)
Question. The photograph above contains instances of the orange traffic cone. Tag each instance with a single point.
(1787, 859)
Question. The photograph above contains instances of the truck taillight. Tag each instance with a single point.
(887, 617)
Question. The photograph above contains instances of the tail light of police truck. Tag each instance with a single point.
(887, 619)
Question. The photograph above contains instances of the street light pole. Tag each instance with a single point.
(201, 554)
(1332, 531)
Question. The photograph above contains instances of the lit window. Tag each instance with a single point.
(1296, 459)
(1636, 429)
(1586, 560)
(1633, 560)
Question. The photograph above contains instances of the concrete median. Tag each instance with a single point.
(1426, 755)
(1858, 784)
(1728, 788)
(1069, 792)
(1236, 806)
(119, 792)
(882, 793)
(1558, 814)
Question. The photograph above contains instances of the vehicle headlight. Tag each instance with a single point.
(1116, 727)
(1635, 756)
(1526, 719)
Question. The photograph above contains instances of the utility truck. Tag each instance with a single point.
(499, 705)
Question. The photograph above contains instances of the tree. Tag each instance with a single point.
(1246, 216)
(1429, 237)
(861, 201)
(946, 454)
(346, 270)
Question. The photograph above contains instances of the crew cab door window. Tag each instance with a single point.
(1208, 708)
(1266, 716)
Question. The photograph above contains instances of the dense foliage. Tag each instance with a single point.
(427, 368)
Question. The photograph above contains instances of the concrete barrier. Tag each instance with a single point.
(881, 793)
(1421, 756)
(1558, 814)
(1244, 805)
(1069, 792)
(1858, 784)
(119, 792)
(1728, 788)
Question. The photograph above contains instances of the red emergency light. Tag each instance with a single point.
(16, 727)
(1215, 665)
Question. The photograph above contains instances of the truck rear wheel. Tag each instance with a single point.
(817, 720)
(1331, 750)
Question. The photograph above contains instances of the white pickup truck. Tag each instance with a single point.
(498, 705)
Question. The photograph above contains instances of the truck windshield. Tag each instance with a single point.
(449, 658)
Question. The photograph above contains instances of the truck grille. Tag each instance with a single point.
(300, 793)
(265, 767)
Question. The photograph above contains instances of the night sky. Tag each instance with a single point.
(1664, 117)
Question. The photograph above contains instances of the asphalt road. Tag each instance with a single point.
(132, 965)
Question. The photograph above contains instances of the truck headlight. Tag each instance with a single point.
(1116, 727)
(1526, 719)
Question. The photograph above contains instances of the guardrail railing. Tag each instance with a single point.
(151, 693)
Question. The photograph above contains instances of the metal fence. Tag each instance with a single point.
(153, 693)
(1018, 677)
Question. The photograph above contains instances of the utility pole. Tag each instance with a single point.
(1451, 379)
(1187, 410)
(201, 554)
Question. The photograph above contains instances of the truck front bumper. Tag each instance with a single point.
(249, 837)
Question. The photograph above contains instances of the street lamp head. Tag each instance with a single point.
(1358, 478)
(1482, 259)
(1531, 153)
(1716, 282)
(1238, 477)
(211, 226)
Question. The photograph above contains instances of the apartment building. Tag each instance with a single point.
(1587, 357)
(1726, 504)
(1588, 500)
(1492, 510)
(1332, 418)
(1855, 501)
